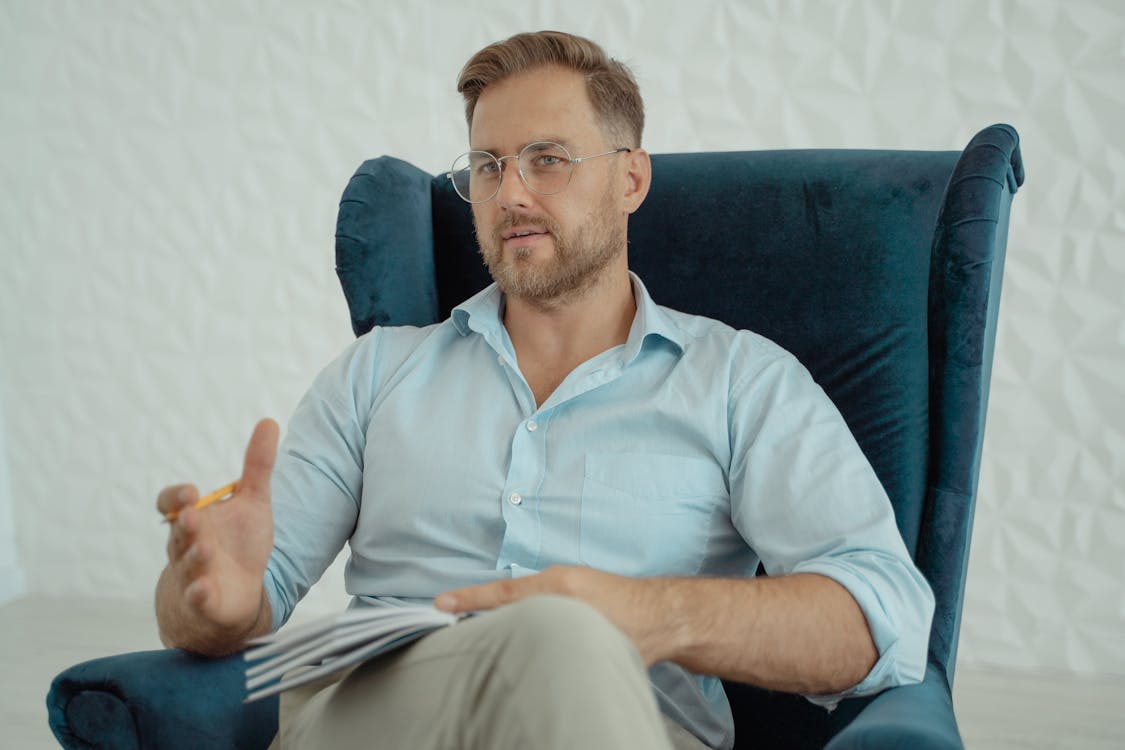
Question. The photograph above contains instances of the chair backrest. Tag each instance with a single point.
(879, 270)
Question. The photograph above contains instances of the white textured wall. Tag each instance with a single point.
(168, 188)
(11, 572)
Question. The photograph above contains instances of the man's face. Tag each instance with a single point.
(575, 234)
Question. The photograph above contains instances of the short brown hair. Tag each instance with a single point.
(610, 85)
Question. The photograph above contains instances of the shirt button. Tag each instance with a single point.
(532, 425)
(515, 498)
(501, 361)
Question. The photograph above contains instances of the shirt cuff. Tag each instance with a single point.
(879, 584)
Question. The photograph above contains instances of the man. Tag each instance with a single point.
(602, 472)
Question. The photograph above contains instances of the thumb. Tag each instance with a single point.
(260, 455)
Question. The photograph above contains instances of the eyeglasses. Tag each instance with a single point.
(545, 168)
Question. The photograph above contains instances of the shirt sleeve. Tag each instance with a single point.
(318, 478)
(806, 499)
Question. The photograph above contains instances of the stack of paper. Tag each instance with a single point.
(333, 643)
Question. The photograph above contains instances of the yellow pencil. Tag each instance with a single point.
(223, 493)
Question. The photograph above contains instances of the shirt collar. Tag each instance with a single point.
(482, 313)
(651, 321)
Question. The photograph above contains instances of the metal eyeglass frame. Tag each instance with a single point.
(572, 160)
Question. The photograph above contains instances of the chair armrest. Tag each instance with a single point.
(918, 717)
(166, 700)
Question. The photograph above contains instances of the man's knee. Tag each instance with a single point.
(558, 668)
(551, 629)
(554, 614)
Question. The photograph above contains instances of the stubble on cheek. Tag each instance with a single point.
(569, 272)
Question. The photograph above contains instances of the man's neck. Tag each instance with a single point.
(551, 340)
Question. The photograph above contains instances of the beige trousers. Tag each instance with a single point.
(548, 672)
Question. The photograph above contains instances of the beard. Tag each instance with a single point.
(574, 269)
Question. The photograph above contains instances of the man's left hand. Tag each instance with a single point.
(637, 606)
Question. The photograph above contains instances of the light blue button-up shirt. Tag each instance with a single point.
(691, 450)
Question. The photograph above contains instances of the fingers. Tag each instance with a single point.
(196, 592)
(557, 579)
(487, 595)
(193, 565)
(195, 560)
(176, 497)
(261, 452)
(182, 533)
(197, 546)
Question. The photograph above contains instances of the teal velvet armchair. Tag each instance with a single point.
(880, 270)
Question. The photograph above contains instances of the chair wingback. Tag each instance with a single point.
(384, 246)
(964, 302)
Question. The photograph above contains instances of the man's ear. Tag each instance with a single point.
(638, 178)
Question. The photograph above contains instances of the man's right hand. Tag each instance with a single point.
(210, 597)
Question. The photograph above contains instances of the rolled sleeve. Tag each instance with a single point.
(898, 605)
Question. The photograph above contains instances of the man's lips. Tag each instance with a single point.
(518, 233)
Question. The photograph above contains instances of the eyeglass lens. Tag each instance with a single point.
(545, 168)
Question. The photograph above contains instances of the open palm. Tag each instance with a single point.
(218, 554)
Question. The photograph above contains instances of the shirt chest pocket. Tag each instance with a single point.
(648, 514)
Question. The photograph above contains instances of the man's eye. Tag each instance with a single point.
(488, 169)
(548, 160)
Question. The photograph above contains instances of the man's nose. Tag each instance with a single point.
(513, 191)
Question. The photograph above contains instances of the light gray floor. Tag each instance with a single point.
(996, 710)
